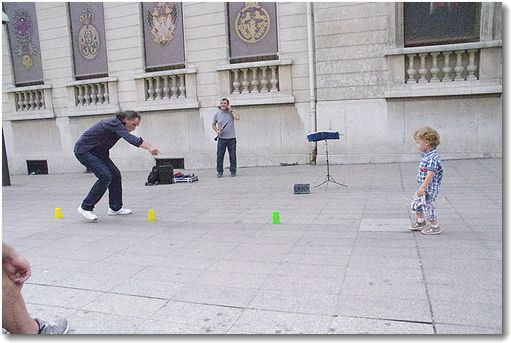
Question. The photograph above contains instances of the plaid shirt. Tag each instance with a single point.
(430, 161)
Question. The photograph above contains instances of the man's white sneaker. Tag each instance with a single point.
(121, 212)
(89, 215)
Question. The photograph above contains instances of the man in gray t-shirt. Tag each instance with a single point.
(223, 125)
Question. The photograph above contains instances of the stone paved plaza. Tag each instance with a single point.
(342, 261)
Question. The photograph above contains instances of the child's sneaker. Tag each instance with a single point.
(417, 226)
(431, 231)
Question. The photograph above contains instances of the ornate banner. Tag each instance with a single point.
(24, 42)
(88, 33)
(253, 29)
(163, 34)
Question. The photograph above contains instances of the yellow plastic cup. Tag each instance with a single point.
(58, 213)
(151, 216)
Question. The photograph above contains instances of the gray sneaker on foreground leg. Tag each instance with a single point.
(58, 327)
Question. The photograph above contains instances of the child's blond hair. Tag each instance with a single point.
(429, 135)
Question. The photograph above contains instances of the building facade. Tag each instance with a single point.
(375, 72)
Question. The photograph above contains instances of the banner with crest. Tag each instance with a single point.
(252, 29)
(24, 42)
(163, 34)
(88, 36)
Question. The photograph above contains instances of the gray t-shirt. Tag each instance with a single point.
(223, 118)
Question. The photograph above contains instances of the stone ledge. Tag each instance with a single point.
(445, 89)
(29, 115)
(269, 63)
(14, 89)
(161, 105)
(446, 47)
(92, 111)
(189, 70)
(267, 98)
(91, 81)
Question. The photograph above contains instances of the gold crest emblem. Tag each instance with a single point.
(252, 22)
(26, 61)
(161, 20)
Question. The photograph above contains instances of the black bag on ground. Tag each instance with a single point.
(165, 174)
(154, 177)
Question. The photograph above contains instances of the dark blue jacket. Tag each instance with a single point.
(102, 136)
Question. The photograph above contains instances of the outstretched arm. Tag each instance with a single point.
(152, 150)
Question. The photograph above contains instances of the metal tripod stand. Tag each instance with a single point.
(329, 178)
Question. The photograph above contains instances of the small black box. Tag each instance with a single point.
(166, 174)
(302, 188)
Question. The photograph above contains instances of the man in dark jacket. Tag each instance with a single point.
(92, 150)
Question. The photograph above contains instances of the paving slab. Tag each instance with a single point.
(295, 301)
(202, 316)
(385, 307)
(102, 323)
(275, 323)
(342, 325)
(122, 304)
(342, 261)
(216, 295)
(385, 225)
(467, 313)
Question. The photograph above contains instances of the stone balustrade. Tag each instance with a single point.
(255, 80)
(442, 66)
(164, 87)
(254, 83)
(92, 96)
(445, 70)
(167, 90)
(29, 100)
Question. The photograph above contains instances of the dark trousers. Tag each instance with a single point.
(230, 144)
(109, 177)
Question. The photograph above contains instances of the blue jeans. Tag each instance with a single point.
(109, 177)
(230, 144)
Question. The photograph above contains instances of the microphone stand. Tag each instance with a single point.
(329, 178)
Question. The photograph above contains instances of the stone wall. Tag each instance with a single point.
(360, 91)
(356, 79)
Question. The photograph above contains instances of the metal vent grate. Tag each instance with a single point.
(37, 167)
